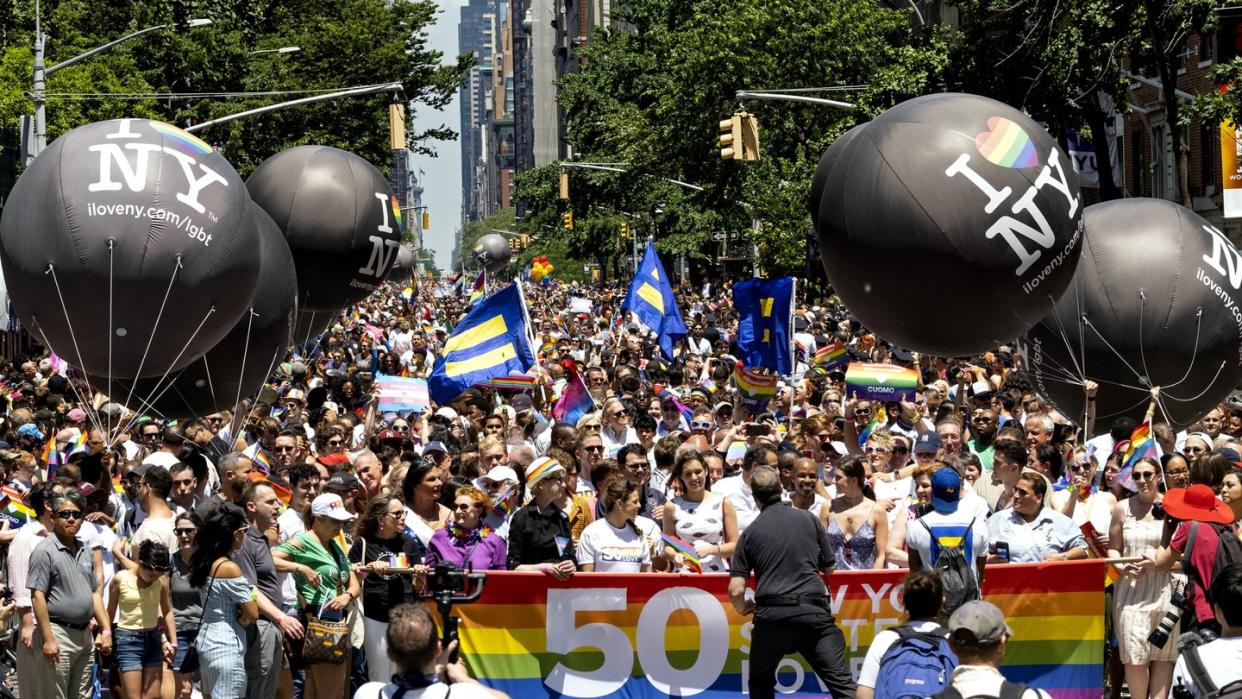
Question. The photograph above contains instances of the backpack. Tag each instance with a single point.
(918, 664)
(1008, 690)
(1204, 686)
(1228, 552)
(956, 573)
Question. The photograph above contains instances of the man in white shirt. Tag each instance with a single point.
(1212, 666)
(425, 671)
(737, 488)
(978, 636)
(947, 525)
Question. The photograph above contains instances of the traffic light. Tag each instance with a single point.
(426, 220)
(625, 230)
(525, 240)
(731, 138)
(564, 185)
(750, 137)
(567, 219)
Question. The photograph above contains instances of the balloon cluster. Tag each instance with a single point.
(134, 250)
(971, 200)
(540, 268)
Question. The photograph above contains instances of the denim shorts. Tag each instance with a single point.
(185, 639)
(136, 650)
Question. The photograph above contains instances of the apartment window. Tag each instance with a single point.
(1163, 183)
(1207, 158)
(1138, 162)
(1206, 41)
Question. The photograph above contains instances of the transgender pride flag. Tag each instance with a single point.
(399, 394)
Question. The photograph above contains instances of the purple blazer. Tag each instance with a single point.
(490, 553)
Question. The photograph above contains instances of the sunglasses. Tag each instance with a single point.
(700, 425)
(282, 450)
(1144, 475)
(401, 428)
(335, 443)
(69, 514)
(875, 450)
(597, 447)
(185, 531)
(862, 411)
(901, 450)
(464, 506)
(620, 413)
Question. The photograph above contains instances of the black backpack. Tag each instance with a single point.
(956, 573)
(1008, 690)
(1228, 552)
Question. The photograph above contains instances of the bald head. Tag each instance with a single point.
(765, 484)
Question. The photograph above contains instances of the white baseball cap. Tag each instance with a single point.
(330, 505)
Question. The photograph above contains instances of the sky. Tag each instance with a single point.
(442, 174)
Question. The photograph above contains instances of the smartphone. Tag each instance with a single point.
(758, 429)
(1002, 550)
(326, 614)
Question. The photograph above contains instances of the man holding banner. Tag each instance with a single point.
(786, 549)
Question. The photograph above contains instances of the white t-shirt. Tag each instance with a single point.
(985, 681)
(379, 690)
(1221, 658)
(158, 529)
(613, 550)
(948, 529)
(290, 525)
(879, 646)
(743, 501)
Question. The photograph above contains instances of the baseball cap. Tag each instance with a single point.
(500, 474)
(77, 415)
(946, 489)
(330, 505)
(522, 403)
(978, 623)
(446, 412)
(927, 443)
(435, 445)
(343, 482)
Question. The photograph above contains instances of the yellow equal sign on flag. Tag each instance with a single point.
(491, 328)
(488, 359)
(651, 295)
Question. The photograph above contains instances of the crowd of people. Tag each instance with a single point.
(281, 549)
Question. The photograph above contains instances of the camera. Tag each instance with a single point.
(448, 585)
(1159, 636)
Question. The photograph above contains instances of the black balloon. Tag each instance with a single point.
(949, 224)
(127, 248)
(1154, 302)
(340, 219)
(405, 259)
(242, 361)
(491, 252)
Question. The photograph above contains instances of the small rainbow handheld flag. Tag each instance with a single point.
(502, 507)
(262, 460)
(51, 457)
(512, 382)
(693, 562)
(880, 418)
(476, 292)
(1111, 574)
(830, 356)
(753, 386)
(1142, 444)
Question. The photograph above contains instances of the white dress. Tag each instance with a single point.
(702, 521)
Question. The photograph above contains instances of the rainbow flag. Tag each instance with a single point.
(476, 292)
(670, 630)
(1111, 574)
(575, 401)
(1142, 444)
(262, 460)
(752, 386)
(880, 418)
(830, 356)
(13, 508)
(693, 562)
(52, 457)
(686, 412)
(77, 445)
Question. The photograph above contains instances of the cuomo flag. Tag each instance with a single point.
(651, 299)
(492, 340)
(765, 310)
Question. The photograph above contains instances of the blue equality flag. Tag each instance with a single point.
(765, 323)
(492, 340)
(651, 299)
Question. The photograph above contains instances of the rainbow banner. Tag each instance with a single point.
(883, 382)
(656, 635)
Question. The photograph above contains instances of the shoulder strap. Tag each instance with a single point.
(203, 610)
(1190, 540)
(1198, 673)
(949, 692)
(1012, 690)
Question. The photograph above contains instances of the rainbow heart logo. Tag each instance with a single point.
(1006, 144)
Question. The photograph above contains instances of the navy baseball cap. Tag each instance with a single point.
(927, 443)
(946, 489)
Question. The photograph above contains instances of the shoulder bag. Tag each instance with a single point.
(327, 641)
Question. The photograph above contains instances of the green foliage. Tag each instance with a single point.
(343, 43)
(653, 98)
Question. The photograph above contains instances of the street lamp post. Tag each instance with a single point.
(42, 72)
